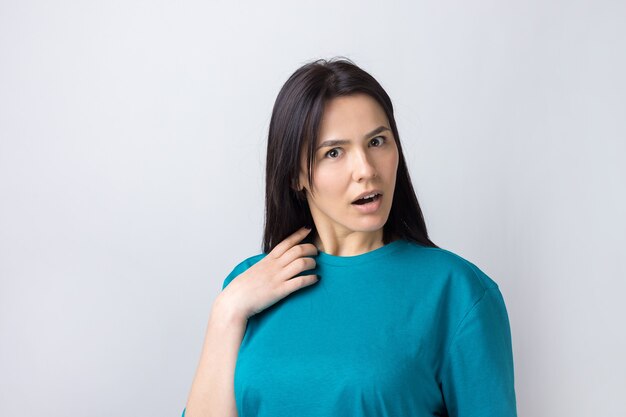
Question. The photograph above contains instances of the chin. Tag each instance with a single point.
(369, 225)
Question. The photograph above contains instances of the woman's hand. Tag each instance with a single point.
(272, 278)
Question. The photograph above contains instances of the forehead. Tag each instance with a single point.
(351, 115)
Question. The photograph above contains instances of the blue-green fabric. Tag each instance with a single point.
(403, 330)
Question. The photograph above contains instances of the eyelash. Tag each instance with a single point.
(383, 142)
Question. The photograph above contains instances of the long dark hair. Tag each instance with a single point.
(295, 123)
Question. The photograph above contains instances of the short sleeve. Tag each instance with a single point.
(241, 268)
(238, 269)
(477, 374)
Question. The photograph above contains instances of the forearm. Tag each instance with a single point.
(212, 391)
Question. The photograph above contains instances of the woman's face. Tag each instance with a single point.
(362, 156)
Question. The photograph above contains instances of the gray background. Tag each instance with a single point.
(132, 151)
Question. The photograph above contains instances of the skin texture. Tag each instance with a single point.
(263, 284)
(342, 172)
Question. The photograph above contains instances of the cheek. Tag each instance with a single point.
(328, 186)
(393, 163)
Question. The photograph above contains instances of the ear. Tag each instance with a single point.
(295, 185)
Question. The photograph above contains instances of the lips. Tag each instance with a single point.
(370, 193)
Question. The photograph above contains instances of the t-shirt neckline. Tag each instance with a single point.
(328, 259)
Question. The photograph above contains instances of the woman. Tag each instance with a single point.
(362, 314)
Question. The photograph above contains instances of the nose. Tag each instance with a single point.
(362, 167)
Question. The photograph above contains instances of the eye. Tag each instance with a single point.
(332, 150)
(381, 139)
(384, 140)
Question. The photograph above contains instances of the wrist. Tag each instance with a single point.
(225, 311)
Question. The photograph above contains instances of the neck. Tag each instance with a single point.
(351, 244)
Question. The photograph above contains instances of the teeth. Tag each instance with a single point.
(368, 196)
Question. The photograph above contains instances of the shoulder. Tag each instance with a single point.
(451, 275)
(241, 267)
(455, 263)
(469, 295)
(444, 261)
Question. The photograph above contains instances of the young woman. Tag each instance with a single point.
(361, 314)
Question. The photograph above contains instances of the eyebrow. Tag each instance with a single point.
(335, 142)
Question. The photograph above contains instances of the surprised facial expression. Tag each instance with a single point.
(355, 153)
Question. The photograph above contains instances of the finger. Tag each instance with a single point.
(289, 242)
(298, 251)
(297, 283)
(295, 267)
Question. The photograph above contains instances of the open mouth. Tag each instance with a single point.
(367, 200)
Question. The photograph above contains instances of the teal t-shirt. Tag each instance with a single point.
(403, 330)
